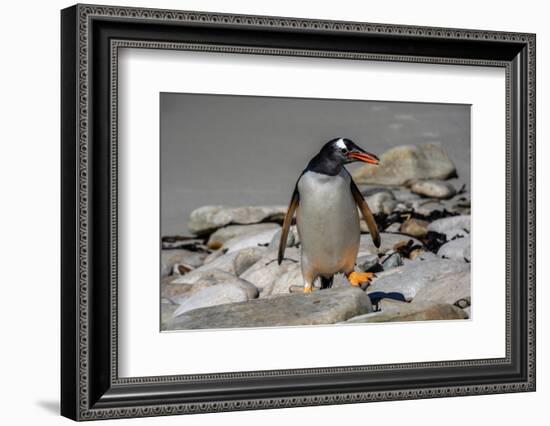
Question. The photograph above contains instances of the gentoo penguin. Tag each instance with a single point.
(325, 200)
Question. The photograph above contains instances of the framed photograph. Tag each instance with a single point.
(263, 212)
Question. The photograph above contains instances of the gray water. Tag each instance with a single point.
(245, 150)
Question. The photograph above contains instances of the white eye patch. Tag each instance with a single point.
(341, 144)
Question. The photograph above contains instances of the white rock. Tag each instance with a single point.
(219, 237)
(414, 276)
(209, 218)
(433, 189)
(211, 296)
(457, 249)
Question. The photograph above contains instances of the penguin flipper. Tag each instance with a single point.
(286, 224)
(367, 214)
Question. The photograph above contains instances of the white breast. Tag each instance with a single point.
(328, 222)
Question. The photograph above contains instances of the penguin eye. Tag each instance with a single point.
(344, 150)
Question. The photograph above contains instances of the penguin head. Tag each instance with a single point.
(344, 151)
(337, 153)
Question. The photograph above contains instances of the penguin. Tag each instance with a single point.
(325, 200)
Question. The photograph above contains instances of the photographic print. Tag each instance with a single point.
(296, 212)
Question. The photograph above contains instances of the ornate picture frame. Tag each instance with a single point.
(91, 37)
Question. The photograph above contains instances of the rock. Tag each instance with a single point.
(420, 255)
(433, 189)
(214, 276)
(366, 263)
(246, 241)
(451, 226)
(320, 307)
(381, 201)
(214, 255)
(403, 163)
(220, 236)
(191, 244)
(449, 288)
(413, 312)
(166, 312)
(211, 278)
(224, 262)
(394, 227)
(211, 296)
(170, 291)
(169, 258)
(414, 276)
(464, 302)
(292, 240)
(392, 261)
(403, 195)
(247, 257)
(427, 207)
(460, 204)
(457, 249)
(387, 243)
(266, 271)
(207, 219)
(291, 277)
(414, 227)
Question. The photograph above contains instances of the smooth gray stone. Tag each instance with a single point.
(166, 312)
(414, 276)
(457, 249)
(392, 261)
(224, 262)
(403, 163)
(381, 202)
(266, 271)
(433, 189)
(210, 278)
(404, 195)
(364, 263)
(207, 219)
(169, 258)
(247, 257)
(412, 312)
(320, 307)
(449, 225)
(292, 240)
(220, 236)
(212, 296)
(449, 288)
(261, 239)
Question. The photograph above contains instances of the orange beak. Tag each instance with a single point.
(364, 157)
